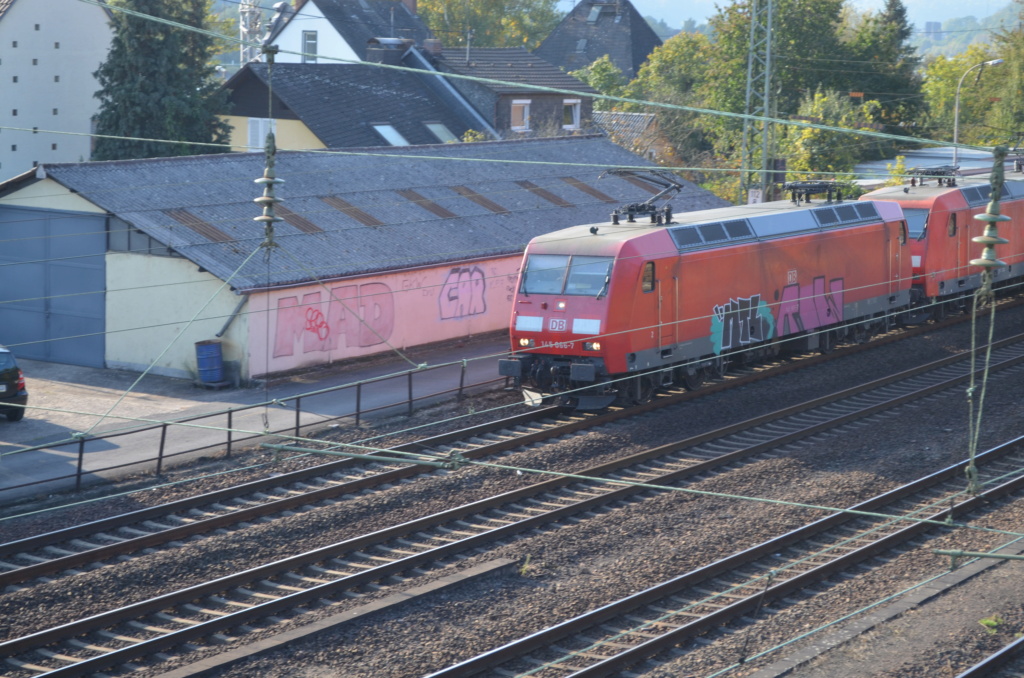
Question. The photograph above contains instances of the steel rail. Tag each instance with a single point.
(50, 636)
(646, 650)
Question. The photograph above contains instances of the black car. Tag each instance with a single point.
(12, 387)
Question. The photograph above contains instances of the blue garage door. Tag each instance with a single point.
(52, 285)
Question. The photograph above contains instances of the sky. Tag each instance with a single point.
(675, 12)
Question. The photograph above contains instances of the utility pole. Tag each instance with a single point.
(250, 30)
(757, 133)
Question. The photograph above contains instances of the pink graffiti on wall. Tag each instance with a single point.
(806, 307)
(356, 316)
(463, 293)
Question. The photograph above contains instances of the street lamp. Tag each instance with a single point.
(956, 106)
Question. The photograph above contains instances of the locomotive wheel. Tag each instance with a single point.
(694, 381)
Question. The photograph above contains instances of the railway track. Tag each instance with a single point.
(1006, 663)
(637, 629)
(265, 595)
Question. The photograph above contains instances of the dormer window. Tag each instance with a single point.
(309, 47)
(520, 115)
(391, 135)
(571, 113)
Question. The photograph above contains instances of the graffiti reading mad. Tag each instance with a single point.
(807, 307)
(463, 293)
(356, 316)
(741, 322)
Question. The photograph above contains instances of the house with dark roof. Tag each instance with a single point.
(519, 108)
(321, 31)
(376, 249)
(597, 27)
(332, 105)
(48, 54)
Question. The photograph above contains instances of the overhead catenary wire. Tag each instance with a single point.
(652, 103)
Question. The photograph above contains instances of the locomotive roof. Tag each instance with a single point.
(975, 190)
(707, 229)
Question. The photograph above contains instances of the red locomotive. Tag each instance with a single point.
(610, 312)
(941, 223)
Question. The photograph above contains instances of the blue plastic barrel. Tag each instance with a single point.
(210, 360)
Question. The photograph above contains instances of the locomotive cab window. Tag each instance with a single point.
(588, 276)
(561, 274)
(951, 224)
(917, 221)
(647, 283)
(544, 273)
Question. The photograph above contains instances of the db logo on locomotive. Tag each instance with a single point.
(558, 325)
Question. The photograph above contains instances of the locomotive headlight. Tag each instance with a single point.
(526, 343)
(560, 305)
(591, 345)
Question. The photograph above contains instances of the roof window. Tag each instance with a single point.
(391, 135)
(439, 130)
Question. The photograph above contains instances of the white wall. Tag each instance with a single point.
(150, 301)
(37, 27)
(329, 42)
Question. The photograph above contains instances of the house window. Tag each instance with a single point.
(14, 43)
(520, 115)
(35, 62)
(309, 47)
(391, 135)
(14, 112)
(37, 27)
(56, 78)
(56, 45)
(15, 78)
(258, 130)
(55, 111)
(14, 147)
(53, 147)
(571, 114)
(440, 131)
(581, 45)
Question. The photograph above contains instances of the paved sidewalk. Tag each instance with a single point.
(65, 399)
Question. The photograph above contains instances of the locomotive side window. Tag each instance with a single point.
(588, 276)
(544, 273)
(903, 233)
(647, 284)
(951, 225)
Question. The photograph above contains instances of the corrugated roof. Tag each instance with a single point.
(597, 27)
(339, 103)
(510, 64)
(366, 226)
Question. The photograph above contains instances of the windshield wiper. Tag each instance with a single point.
(600, 293)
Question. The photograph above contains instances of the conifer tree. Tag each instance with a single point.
(158, 83)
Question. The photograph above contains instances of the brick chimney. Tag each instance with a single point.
(411, 5)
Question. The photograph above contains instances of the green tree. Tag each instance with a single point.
(1005, 119)
(827, 151)
(888, 64)
(672, 74)
(941, 78)
(158, 82)
(606, 78)
(494, 23)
